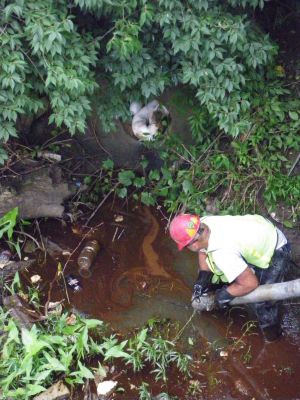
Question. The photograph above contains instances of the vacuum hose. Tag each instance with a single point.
(268, 292)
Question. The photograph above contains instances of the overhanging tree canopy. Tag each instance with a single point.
(133, 49)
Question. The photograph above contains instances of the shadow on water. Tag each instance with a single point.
(138, 274)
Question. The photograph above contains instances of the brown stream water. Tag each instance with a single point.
(138, 274)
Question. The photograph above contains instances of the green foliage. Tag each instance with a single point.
(7, 225)
(8, 222)
(156, 351)
(169, 42)
(232, 173)
(44, 59)
(51, 57)
(144, 392)
(33, 359)
(146, 46)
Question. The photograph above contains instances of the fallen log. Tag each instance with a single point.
(21, 311)
(9, 269)
(37, 192)
(269, 292)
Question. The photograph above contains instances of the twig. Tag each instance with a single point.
(30, 237)
(209, 146)
(102, 202)
(294, 165)
(49, 294)
(113, 239)
(105, 34)
(41, 238)
(192, 157)
(122, 231)
(185, 325)
(98, 140)
(182, 158)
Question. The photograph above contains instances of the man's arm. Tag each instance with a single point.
(203, 282)
(243, 284)
(203, 266)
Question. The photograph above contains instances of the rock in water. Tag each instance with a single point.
(105, 389)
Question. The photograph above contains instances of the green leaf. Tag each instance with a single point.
(53, 363)
(101, 370)
(82, 342)
(187, 186)
(139, 182)
(13, 332)
(3, 156)
(288, 224)
(31, 342)
(34, 389)
(42, 376)
(294, 115)
(122, 192)
(8, 222)
(116, 352)
(154, 175)
(147, 199)
(85, 372)
(108, 164)
(126, 177)
(92, 323)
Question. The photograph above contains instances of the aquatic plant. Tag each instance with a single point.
(32, 359)
(62, 347)
(156, 351)
(144, 393)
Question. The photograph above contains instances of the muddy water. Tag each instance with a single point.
(138, 274)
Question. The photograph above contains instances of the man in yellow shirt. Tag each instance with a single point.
(241, 252)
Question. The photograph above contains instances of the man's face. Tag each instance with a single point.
(194, 245)
(200, 241)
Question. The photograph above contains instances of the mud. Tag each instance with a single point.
(137, 275)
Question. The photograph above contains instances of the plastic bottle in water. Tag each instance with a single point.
(73, 283)
(86, 258)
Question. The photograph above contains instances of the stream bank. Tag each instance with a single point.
(139, 276)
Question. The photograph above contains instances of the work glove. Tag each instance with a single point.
(202, 284)
(223, 298)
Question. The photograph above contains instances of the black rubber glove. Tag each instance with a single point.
(202, 284)
(223, 298)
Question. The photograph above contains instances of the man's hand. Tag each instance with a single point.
(223, 298)
(202, 284)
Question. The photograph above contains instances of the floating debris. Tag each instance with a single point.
(118, 218)
(35, 278)
(73, 283)
(106, 388)
(55, 307)
(223, 353)
(71, 320)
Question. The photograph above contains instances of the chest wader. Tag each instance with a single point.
(267, 312)
(270, 270)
